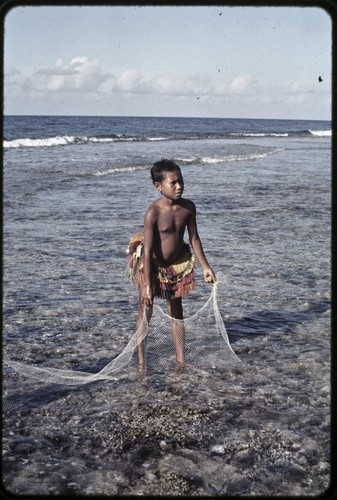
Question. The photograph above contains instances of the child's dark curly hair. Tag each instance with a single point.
(161, 167)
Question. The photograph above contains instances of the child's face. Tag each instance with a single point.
(172, 185)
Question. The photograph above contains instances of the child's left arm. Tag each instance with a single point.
(196, 244)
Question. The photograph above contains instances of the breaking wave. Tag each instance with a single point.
(68, 140)
(194, 160)
(64, 140)
(321, 133)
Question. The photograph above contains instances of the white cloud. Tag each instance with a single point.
(102, 87)
(172, 84)
(164, 84)
(130, 80)
(80, 75)
(12, 71)
(298, 87)
(12, 81)
(240, 84)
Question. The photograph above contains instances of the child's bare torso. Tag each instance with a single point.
(169, 228)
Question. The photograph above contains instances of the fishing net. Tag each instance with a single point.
(206, 346)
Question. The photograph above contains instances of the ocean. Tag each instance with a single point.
(75, 190)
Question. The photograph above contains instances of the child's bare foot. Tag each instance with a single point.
(181, 366)
(141, 368)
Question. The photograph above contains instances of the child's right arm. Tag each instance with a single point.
(147, 292)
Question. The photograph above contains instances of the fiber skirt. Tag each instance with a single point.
(168, 281)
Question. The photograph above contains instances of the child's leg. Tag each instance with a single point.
(141, 343)
(175, 310)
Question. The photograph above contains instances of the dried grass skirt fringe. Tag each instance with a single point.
(169, 281)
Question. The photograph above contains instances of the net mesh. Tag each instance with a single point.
(206, 346)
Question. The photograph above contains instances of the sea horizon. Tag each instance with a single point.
(167, 116)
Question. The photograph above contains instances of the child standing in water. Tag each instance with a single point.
(160, 263)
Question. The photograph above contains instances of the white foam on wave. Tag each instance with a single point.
(102, 139)
(239, 157)
(116, 170)
(225, 158)
(207, 159)
(157, 139)
(321, 133)
(46, 142)
(64, 140)
(259, 134)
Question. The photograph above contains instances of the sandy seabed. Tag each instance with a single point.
(254, 429)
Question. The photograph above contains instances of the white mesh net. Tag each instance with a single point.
(206, 346)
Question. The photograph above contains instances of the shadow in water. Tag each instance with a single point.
(36, 397)
(273, 320)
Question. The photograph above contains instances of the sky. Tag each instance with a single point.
(204, 61)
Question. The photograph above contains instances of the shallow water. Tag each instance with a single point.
(258, 427)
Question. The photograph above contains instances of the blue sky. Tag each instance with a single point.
(240, 62)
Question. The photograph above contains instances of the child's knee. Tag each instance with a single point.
(175, 308)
